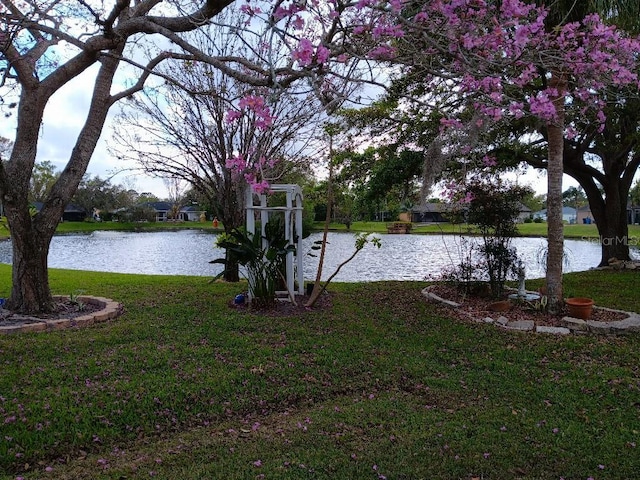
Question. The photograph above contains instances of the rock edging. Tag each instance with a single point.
(109, 310)
(570, 325)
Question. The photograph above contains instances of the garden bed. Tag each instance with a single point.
(525, 316)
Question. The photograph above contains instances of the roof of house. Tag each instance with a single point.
(167, 206)
(158, 206)
(524, 208)
(432, 208)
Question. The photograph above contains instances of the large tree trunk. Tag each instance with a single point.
(30, 281)
(614, 238)
(31, 236)
(610, 215)
(555, 226)
(30, 284)
(609, 209)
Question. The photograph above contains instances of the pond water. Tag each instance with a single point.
(188, 252)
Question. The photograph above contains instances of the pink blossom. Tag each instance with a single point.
(488, 161)
(249, 10)
(571, 132)
(236, 163)
(542, 106)
(283, 12)
(304, 53)
(233, 115)
(261, 187)
(280, 13)
(253, 102)
(450, 123)
(365, 3)
(516, 109)
(385, 30)
(360, 29)
(420, 17)
(322, 54)
(383, 52)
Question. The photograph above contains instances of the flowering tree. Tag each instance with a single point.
(217, 133)
(488, 53)
(116, 47)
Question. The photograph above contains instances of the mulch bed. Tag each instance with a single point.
(63, 309)
(284, 308)
(477, 307)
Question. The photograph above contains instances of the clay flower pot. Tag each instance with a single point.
(500, 306)
(580, 307)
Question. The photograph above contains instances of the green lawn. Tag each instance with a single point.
(75, 227)
(380, 385)
(525, 229)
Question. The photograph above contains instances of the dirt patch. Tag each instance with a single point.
(285, 308)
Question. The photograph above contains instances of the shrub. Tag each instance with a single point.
(493, 206)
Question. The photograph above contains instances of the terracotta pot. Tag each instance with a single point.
(580, 307)
(500, 306)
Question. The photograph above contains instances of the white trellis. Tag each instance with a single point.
(292, 211)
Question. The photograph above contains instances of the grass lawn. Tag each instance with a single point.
(79, 227)
(525, 229)
(381, 385)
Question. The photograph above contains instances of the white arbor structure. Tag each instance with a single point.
(292, 211)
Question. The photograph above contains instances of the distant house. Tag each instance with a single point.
(163, 212)
(584, 215)
(191, 213)
(633, 214)
(568, 214)
(430, 213)
(441, 212)
(72, 213)
(524, 213)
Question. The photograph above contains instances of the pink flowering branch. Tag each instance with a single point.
(498, 58)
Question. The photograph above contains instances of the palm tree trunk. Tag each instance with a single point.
(555, 226)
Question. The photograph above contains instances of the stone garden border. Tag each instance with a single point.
(109, 310)
(570, 325)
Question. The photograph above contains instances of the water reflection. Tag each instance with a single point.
(187, 252)
(414, 257)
